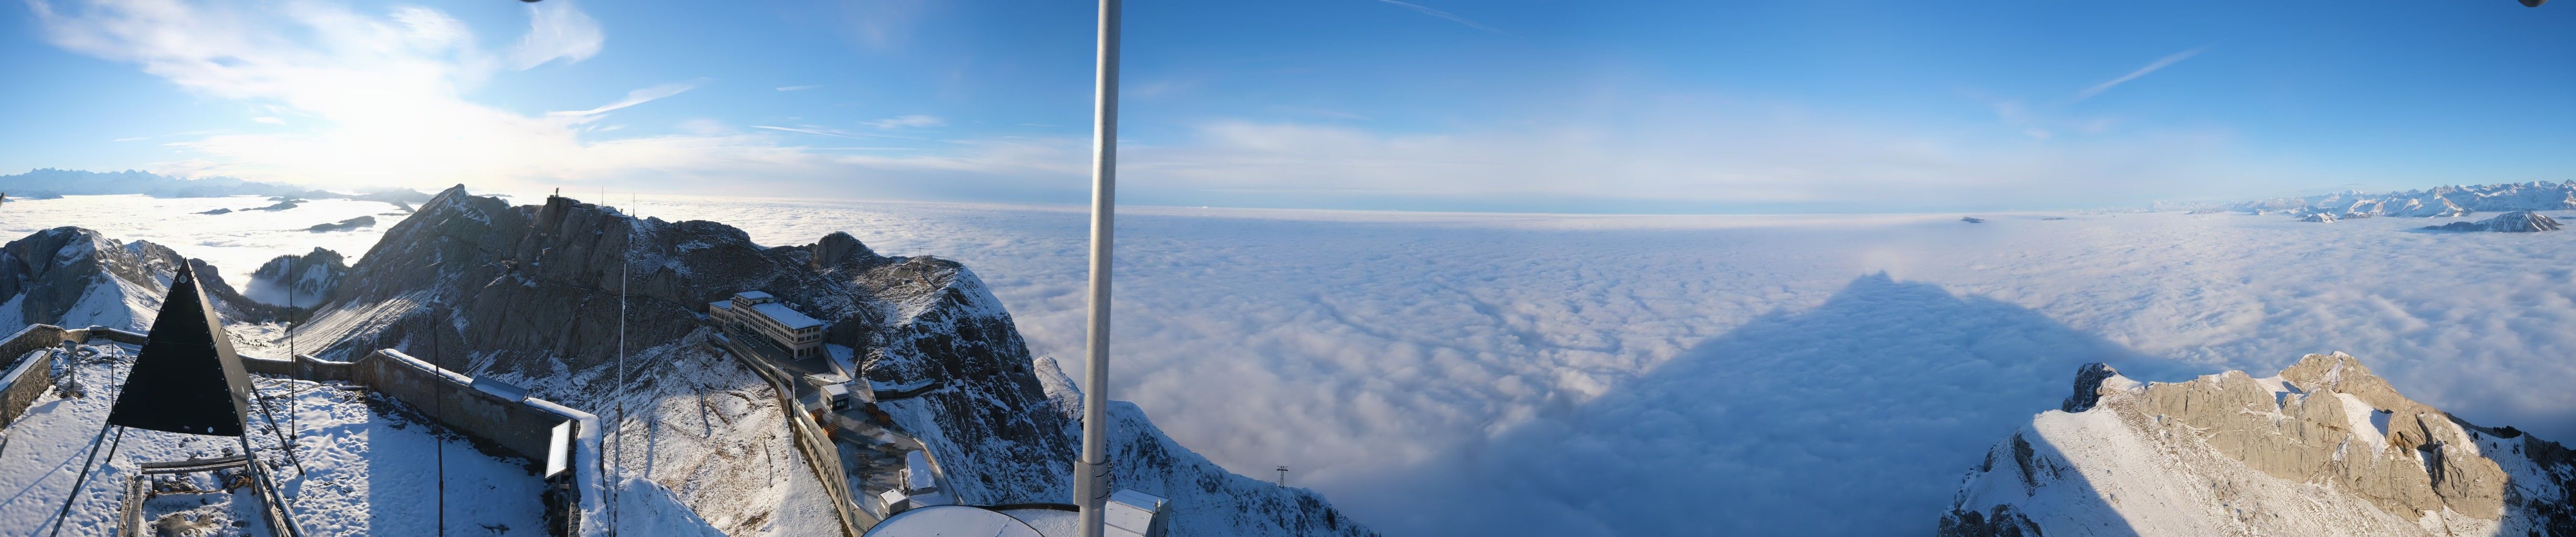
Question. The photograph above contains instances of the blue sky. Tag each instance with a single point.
(1359, 104)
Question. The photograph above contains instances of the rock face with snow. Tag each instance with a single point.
(2445, 201)
(2319, 217)
(533, 293)
(311, 275)
(2512, 222)
(2323, 448)
(74, 276)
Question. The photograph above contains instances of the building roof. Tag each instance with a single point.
(753, 295)
(952, 520)
(785, 315)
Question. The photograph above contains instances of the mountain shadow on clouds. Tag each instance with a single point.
(1857, 417)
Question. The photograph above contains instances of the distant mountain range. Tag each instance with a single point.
(47, 183)
(2444, 201)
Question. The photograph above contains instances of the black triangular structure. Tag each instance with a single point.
(187, 379)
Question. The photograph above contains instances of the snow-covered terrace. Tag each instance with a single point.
(365, 463)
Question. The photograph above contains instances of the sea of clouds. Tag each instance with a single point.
(1458, 374)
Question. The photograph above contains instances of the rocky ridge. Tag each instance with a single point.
(75, 276)
(2443, 201)
(532, 294)
(2323, 448)
(2512, 222)
(311, 275)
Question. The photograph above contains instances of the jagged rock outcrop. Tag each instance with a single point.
(2512, 222)
(534, 292)
(2323, 448)
(75, 276)
(839, 248)
(2319, 217)
(311, 276)
(2088, 382)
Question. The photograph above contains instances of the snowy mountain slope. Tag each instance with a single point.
(2323, 448)
(77, 277)
(2443, 201)
(2512, 222)
(530, 294)
(306, 279)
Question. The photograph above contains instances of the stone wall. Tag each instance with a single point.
(21, 383)
(24, 380)
(520, 430)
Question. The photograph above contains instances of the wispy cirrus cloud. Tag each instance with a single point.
(556, 30)
(639, 96)
(2151, 67)
(1452, 17)
(912, 120)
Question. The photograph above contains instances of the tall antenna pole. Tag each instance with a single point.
(624, 266)
(294, 366)
(1091, 474)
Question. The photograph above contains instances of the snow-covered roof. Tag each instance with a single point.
(753, 295)
(952, 520)
(726, 305)
(1130, 511)
(785, 315)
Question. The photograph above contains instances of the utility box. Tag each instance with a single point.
(838, 395)
(826, 390)
(1133, 514)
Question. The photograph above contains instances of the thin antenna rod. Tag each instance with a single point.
(624, 265)
(438, 412)
(294, 365)
(1091, 474)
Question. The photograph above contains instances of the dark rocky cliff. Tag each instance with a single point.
(533, 292)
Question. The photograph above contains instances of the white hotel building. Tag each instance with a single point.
(757, 312)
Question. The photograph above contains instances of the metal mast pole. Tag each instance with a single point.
(1091, 474)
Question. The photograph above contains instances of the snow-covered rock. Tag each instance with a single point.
(2512, 222)
(2325, 447)
(2319, 217)
(311, 276)
(76, 277)
(532, 294)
